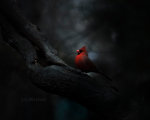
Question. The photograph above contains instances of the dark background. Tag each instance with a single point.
(117, 36)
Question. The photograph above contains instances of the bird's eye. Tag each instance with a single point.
(80, 51)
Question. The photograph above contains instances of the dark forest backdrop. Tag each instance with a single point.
(117, 37)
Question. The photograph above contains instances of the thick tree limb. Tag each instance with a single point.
(31, 32)
(62, 80)
(22, 45)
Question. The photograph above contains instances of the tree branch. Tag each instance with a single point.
(31, 32)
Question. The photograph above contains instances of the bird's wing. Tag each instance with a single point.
(88, 64)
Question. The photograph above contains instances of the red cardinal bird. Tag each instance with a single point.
(83, 62)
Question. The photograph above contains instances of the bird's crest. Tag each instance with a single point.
(83, 48)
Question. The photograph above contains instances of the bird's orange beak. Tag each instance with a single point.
(77, 51)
